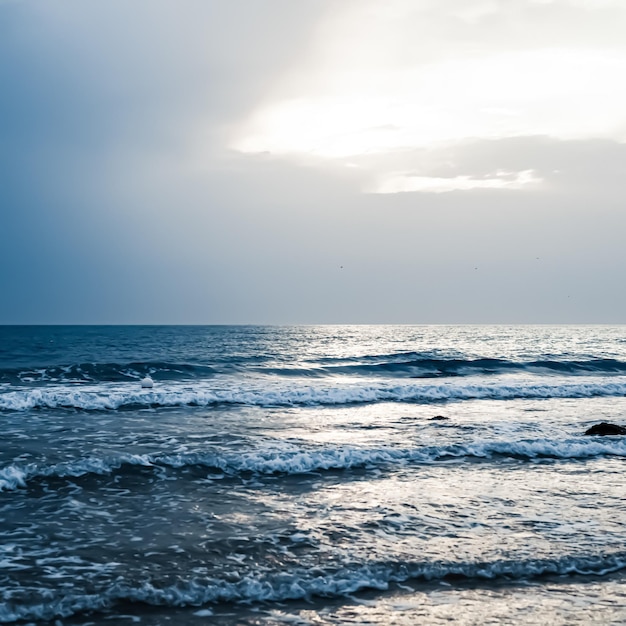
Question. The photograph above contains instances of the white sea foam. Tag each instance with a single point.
(302, 584)
(110, 397)
(12, 477)
(295, 460)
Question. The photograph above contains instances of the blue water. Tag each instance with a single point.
(312, 475)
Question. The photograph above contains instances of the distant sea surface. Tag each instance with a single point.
(312, 475)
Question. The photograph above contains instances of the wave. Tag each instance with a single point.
(104, 372)
(301, 584)
(107, 397)
(428, 365)
(402, 364)
(294, 460)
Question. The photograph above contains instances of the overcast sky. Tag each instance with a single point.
(312, 161)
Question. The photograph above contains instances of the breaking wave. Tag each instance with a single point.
(110, 397)
(295, 460)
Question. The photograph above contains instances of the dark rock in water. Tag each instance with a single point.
(439, 417)
(606, 429)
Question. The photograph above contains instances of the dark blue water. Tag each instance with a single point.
(312, 475)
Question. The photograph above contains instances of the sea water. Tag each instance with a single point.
(312, 475)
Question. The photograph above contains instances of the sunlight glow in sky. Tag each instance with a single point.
(550, 92)
(372, 101)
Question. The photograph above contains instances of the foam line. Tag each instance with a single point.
(304, 584)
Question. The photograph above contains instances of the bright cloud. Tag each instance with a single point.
(402, 182)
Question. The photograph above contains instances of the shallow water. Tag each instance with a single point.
(297, 476)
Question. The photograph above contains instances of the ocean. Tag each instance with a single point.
(312, 475)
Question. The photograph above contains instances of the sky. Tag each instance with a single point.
(312, 161)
